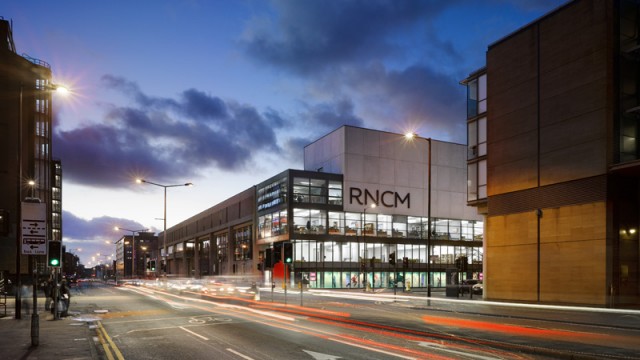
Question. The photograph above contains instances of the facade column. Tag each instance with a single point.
(197, 247)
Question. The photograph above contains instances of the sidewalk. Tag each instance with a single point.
(67, 338)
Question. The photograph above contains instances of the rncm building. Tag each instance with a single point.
(320, 221)
(554, 158)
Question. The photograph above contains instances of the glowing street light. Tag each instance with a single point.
(164, 218)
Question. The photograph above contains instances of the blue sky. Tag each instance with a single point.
(225, 93)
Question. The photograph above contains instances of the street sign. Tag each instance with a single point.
(34, 228)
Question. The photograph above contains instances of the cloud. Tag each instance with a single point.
(418, 96)
(163, 137)
(96, 228)
(379, 64)
(86, 238)
(311, 36)
(330, 116)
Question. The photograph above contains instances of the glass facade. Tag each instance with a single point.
(333, 248)
(476, 137)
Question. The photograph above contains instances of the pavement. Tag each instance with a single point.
(71, 337)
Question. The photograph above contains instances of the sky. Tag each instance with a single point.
(226, 93)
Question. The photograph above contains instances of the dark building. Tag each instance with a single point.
(554, 157)
(25, 150)
(136, 256)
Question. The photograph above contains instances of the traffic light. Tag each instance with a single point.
(392, 258)
(277, 254)
(372, 261)
(152, 265)
(363, 265)
(288, 253)
(405, 262)
(54, 253)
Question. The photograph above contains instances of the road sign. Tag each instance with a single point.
(34, 228)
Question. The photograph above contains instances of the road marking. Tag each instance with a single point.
(239, 354)
(102, 334)
(193, 333)
(373, 349)
(457, 352)
(321, 356)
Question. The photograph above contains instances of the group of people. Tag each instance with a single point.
(61, 292)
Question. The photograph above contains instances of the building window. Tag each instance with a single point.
(309, 221)
(243, 243)
(335, 192)
(272, 194)
(477, 96)
(336, 223)
(317, 191)
(222, 243)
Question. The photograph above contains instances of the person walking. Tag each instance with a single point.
(65, 297)
(47, 287)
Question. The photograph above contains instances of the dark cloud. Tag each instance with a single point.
(344, 50)
(87, 238)
(329, 116)
(97, 228)
(311, 36)
(417, 92)
(163, 138)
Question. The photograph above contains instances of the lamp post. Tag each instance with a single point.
(411, 136)
(164, 218)
(364, 241)
(133, 246)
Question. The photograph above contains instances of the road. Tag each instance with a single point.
(139, 322)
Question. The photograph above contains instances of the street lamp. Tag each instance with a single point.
(133, 247)
(164, 219)
(364, 241)
(411, 136)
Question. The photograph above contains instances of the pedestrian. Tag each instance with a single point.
(65, 297)
(25, 294)
(48, 291)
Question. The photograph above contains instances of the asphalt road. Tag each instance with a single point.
(139, 322)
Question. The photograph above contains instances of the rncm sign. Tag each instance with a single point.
(390, 199)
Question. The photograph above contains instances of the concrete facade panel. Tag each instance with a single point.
(519, 56)
(515, 169)
(573, 162)
(583, 25)
(573, 254)
(584, 128)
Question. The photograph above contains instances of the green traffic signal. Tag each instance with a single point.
(54, 253)
(288, 253)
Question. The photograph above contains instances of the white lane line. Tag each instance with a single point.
(193, 333)
(374, 349)
(239, 354)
